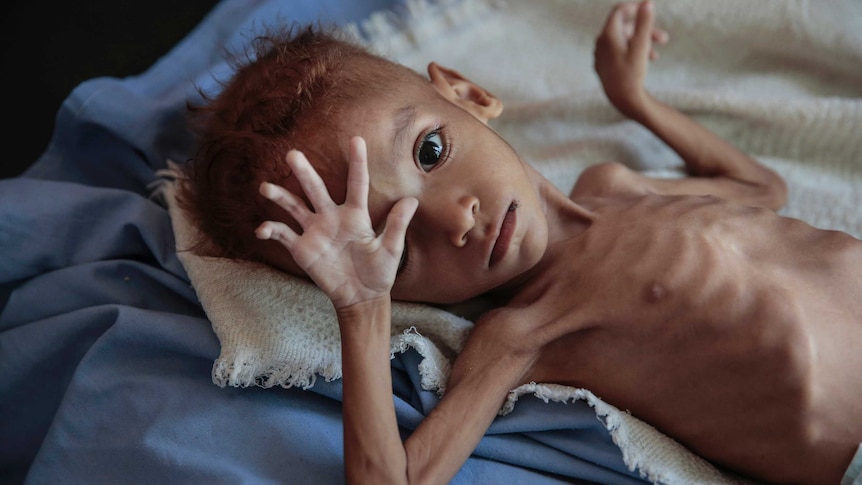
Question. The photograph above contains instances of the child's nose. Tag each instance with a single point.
(462, 219)
(444, 215)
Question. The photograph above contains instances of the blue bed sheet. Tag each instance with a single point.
(106, 354)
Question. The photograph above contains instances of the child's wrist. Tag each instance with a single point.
(370, 313)
(634, 105)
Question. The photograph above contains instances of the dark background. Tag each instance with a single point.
(51, 47)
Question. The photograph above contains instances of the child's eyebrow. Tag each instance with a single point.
(405, 118)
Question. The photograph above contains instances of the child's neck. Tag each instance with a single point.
(566, 219)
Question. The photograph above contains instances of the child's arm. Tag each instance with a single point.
(356, 269)
(623, 51)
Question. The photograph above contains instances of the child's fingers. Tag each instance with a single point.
(660, 36)
(641, 42)
(396, 224)
(286, 200)
(309, 179)
(616, 25)
(276, 231)
(357, 174)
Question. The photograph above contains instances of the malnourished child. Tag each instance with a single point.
(687, 301)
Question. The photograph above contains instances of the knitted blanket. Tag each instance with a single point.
(780, 79)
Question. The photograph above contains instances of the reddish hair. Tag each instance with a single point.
(282, 97)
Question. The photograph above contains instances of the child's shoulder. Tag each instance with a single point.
(607, 179)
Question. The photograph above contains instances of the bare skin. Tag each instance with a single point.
(689, 302)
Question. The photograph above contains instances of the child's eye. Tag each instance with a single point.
(430, 150)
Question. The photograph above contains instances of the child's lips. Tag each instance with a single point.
(504, 236)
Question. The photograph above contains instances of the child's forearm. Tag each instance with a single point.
(706, 154)
(482, 378)
(374, 452)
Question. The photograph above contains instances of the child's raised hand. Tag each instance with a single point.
(338, 247)
(623, 50)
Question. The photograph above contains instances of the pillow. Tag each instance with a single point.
(279, 330)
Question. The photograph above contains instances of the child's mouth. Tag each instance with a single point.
(507, 228)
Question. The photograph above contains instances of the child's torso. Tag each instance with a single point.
(716, 323)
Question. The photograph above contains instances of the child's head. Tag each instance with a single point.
(283, 95)
(426, 138)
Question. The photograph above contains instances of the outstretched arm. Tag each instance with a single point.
(623, 51)
(356, 269)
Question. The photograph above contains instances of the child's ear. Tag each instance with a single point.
(465, 93)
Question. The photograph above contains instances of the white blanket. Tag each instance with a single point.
(781, 79)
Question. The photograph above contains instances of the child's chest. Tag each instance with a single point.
(667, 273)
(653, 263)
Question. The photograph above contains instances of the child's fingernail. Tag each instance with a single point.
(264, 188)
